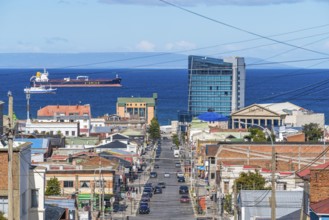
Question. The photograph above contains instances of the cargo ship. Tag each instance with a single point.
(41, 79)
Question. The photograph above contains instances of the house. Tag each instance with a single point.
(255, 204)
(28, 183)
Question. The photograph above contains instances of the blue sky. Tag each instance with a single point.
(77, 26)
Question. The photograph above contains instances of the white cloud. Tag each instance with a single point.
(202, 2)
(145, 46)
(180, 45)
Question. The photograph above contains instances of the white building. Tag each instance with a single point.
(69, 129)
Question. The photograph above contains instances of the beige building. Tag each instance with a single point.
(275, 114)
(134, 108)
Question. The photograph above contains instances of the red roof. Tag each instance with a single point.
(307, 172)
(266, 170)
(250, 166)
(52, 110)
(321, 207)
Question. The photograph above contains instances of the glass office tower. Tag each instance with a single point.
(215, 84)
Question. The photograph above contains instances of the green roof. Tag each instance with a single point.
(82, 140)
(148, 101)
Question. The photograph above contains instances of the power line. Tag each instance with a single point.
(240, 29)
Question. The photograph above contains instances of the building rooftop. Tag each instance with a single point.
(52, 110)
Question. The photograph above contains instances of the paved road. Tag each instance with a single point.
(167, 205)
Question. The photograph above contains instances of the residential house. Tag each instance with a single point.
(28, 183)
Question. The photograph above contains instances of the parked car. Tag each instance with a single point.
(119, 207)
(177, 164)
(158, 190)
(167, 175)
(181, 179)
(153, 175)
(179, 174)
(162, 184)
(156, 166)
(145, 197)
(183, 190)
(144, 209)
(184, 199)
(148, 192)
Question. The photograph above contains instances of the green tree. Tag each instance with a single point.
(175, 140)
(312, 132)
(154, 130)
(256, 135)
(250, 181)
(53, 187)
(228, 203)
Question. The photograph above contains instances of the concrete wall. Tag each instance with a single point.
(298, 119)
(48, 127)
(37, 182)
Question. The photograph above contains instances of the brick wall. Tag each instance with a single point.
(319, 185)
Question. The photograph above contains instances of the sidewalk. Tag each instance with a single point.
(132, 199)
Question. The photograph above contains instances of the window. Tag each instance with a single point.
(66, 133)
(100, 183)
(34, 198)
(23, 204)
(212, 176)
(4, 204)
(226, 187)
(84, 184)
(212, 160)
(73, 133)
(68, 184)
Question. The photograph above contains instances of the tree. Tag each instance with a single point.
(154, 130)
(53, 187)
(251, 181)
(2, 217)
(312, 132)
(256, 135)
(175, 140)
(228, 203)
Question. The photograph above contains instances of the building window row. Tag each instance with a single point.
(220, 88)
(209, 93)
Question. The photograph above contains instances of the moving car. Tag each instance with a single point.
(156, 166)
(179, 174)
(162, 184)
(158, 190)
(183, 190)
(184, 199)
(153, 175)
(177, 164)
(181, 179)
(167, 175)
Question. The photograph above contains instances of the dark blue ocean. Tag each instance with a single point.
(306, 88)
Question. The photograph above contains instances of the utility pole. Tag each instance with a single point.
(235, 208)
(10, 135)
(273, 199)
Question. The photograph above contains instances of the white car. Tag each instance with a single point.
(167, 175)
(180, 174)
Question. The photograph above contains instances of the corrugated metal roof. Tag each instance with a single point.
(256, 203)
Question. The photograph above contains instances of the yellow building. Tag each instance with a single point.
(137, 108)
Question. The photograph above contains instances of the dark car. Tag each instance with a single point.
(156, 166)
(177, 164)
(153, 175)
(119, 208)
(158, 190)
(162, 184)
(145, 197)
(181, 179)
(183, 190)
(148, 191)
(144, 209)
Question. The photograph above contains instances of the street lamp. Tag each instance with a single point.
(273, 201)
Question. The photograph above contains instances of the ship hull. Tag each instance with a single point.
(79, 83)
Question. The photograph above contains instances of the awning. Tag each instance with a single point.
(201, 168)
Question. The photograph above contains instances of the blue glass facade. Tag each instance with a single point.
(210, 83)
